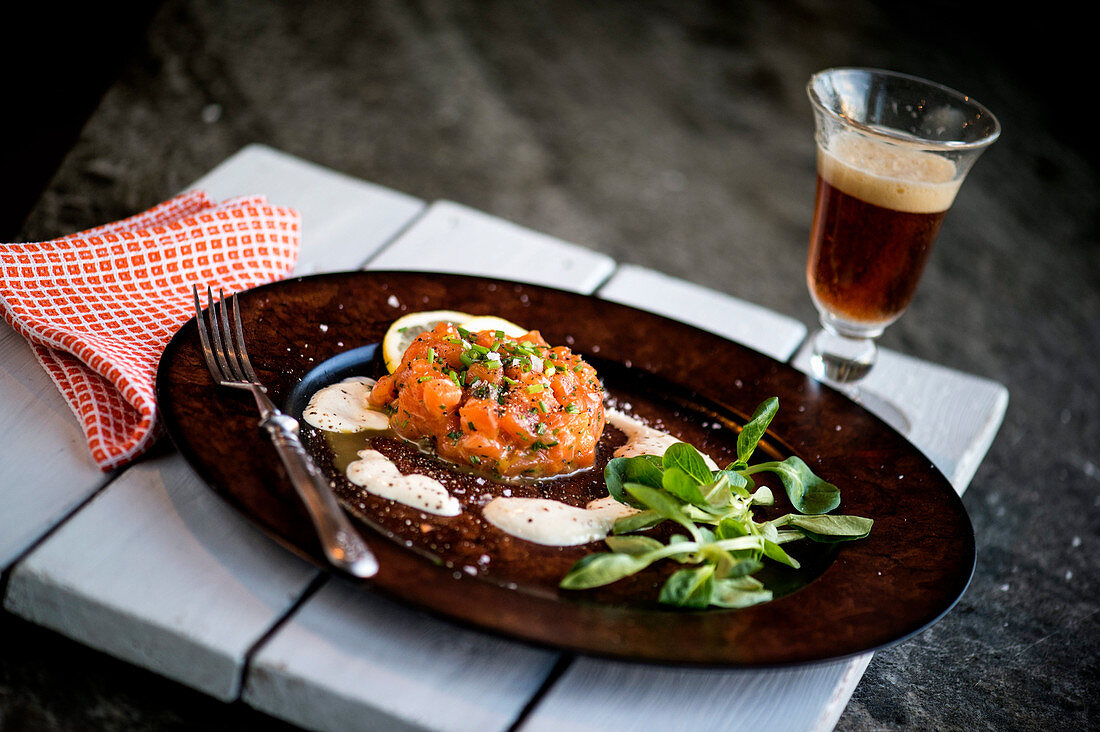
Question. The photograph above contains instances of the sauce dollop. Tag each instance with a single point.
(641, 439)
(553, 523)
(378, 475)
(343, 407)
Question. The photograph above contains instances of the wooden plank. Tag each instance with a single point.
(350, 661)
(37, 429)
(157, 570)
(453, 238)
(152, 572)
(344, 219)
(758, 328)
(951, 416)
(600, 695)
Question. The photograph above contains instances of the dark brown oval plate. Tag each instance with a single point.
(848, 599)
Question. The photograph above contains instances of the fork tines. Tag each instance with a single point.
(223, 348)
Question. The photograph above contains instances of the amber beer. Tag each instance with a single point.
(877, 212)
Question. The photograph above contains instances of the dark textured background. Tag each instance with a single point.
(672, 135)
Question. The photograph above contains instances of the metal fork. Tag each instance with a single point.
(228, 363)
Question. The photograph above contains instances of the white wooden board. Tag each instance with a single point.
(453, 238)
(758, 328)
(157, 571)
(37, 429)
(344, 219)
(350, 661)
(347, 659)
(594, 696)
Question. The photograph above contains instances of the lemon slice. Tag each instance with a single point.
(492, 322)
(406, 328)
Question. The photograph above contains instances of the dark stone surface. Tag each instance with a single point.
(676, 136)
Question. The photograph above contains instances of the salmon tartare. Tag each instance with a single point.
(505, 406)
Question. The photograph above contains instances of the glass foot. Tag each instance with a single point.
(840, 360)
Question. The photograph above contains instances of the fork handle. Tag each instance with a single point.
(342, 544)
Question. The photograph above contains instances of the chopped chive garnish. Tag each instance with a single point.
(571, 408)
(424, 378)
(542, 407)
(534, 388)
(431, 355)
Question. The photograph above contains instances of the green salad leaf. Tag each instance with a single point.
(724, 546)
(807, 492)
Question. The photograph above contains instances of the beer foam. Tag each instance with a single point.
(887, 175)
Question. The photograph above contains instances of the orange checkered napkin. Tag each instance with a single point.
(99, 307)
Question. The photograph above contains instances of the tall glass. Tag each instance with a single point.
(892, 151)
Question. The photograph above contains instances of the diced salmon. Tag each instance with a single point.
(506, 406)
(481, 416)
(441, 395)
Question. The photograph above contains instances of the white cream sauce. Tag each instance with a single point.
(553, 523)
(377, 474)
(343, 407)
(608, 506)
(641, 439)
